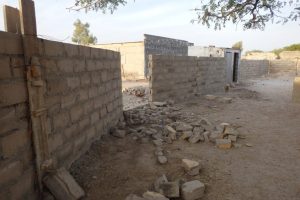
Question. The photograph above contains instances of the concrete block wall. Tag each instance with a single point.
(250, 69)
(83, 96)
(283, 66)
(182, 77)
(83, 100)
(17, 167)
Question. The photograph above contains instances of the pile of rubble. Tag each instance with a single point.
(163, 189)
(136, 91)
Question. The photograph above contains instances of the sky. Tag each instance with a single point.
(169, 18)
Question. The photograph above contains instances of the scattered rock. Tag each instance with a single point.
(160, 104)
(233, 138)
(191, 167)
(249, 145)
(158, 182)
(154, 196)
(196, 137)
(184, 127)
(210, 97)
(225, 100)
(236, 145)
(192, 190)
(158, 142)
(162, 159)
(206, 136)
(186, 135)
(171, 132)
(223, 143)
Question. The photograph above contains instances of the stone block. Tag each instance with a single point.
(73, 82)
(55, 141)
(11, 144)
(61, 120)
(170, 189)
(191, 167)
(76, 113)
(223, 143)
(5, 71)
(13, 93)
(192, 190)
(10, 172)
(55, 49)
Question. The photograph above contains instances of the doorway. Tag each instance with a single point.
(235, 67)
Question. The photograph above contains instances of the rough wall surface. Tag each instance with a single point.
(250, 69)
(283, 66)
(163, 46)
(17, 168)
(132, 58)
(83, 100)
(181, 77)
(202, 51)
(290, 55)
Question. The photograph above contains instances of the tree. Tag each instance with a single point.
(238, 45)
(81, 34)
(293, 47)
(252, 14)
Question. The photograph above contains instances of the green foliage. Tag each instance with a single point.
(293, 47)
(238, 45)
(81, 34)
(252, 14)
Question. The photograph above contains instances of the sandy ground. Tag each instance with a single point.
(269, 170)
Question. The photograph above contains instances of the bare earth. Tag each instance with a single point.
(269, 170)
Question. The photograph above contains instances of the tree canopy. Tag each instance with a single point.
(252, 14)
(238, 45)
(81, 34)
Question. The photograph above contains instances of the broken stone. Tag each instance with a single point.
(154, 196)
(210, 97)
(249, 145)
(191, 167)
(233, 138)
(158, 182)
(225, 100)
(230, 131)
(162, 159)
(171, 132)
(145, 140)
(158, 142)
(184, 127)
(214, 136)
(223, 143)
(196, 137)
(134, 197)
(170, 189)
(186, 135)
(236, 145)
(192, 190)
(206, 136)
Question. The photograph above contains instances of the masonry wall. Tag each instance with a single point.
(250, 69)
(83, 100)
(132, 58)
(17, 168)
(157, 45)
(283, 66)
(206, 51)
(182, 77)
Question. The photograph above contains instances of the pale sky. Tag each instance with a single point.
(169, 18)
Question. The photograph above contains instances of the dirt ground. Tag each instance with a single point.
(269, 170)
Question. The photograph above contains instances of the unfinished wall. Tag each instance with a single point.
(132, 58)
(283, 66)
(17, 168)
(181, 77)
(83, 101)
(210, 51)
(250, 69)
(163, 46)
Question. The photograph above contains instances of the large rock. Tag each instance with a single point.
(191, 167)
(184, 127)
(196, 137)
(154, 196)
(162, 159)
(134, 197)
(158, 182)
(192, 190)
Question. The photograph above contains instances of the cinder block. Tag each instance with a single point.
(79, 65)
(5, 71)
(12, 143)
(71, 50)
(73, 82)
(10, 172)
(60, 120)
(94, 117)
(13, 93)
(56, 86)
(85, 51)
(10, 43)
(85, 79)
(55, 141)
(55, 49)
(65, 65)
(24, 185)
(76, 113)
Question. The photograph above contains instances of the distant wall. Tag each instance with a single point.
(132, 58)
(164, 46)
(83, 100)
(290, 55)
(17, 167)
(250, 69)
(205, 51)
(283, 66)
(181, 77)
(260, 56)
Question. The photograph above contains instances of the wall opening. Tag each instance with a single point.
(235, 67)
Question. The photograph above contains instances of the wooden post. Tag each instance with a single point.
(36, 90)
(11, 19)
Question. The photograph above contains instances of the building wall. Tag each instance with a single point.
(132, 58)
(182, 77)
(163, 46)
(250, 69)
(201, 51)
(17, 168)
(83, 100)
